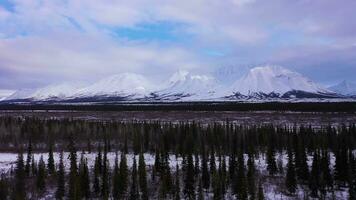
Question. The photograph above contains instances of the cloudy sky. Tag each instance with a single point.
(47, 41)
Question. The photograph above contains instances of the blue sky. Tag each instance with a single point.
(46, 41)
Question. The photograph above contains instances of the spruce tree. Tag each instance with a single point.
(314, 176)
(291, 183)
(177, 184)
(60, 192)
(251, 185)
(240, 179)
(96, 175)
(50, 161)
(4, 187)
(116, 179)
(41, 176)
(19, 192)
(28, 159)
(74, 190)
(205, 172)
(200, 190)
(260, 193)
(189, 189)
(134, 194)
(271, 161)
(84, 178)
(123, 176)
(142, 177)
(33, 165)
(302, 169)
(105, 176)
(216, 185)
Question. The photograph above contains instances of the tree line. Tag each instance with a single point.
(217, 160)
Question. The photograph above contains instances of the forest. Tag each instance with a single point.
(92, 159)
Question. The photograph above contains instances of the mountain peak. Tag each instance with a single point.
(345, 87)
(274, 79)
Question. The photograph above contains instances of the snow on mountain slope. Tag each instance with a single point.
(21, 94)
(184, 85)
(125, 84)
(344, 88)
(60, 91)
(5, 93)
(276, 80)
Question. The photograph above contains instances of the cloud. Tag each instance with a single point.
(88, 39)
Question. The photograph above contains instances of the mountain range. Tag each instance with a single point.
(259, 83)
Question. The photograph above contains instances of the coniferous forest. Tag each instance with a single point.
(91, 159)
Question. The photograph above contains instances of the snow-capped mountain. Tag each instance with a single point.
(275, 80)
(187, 86)
(5, 93)
(21, 94)
(120, 85)
(260, 83)
(344, 88)
(53, 91)
(56, 91)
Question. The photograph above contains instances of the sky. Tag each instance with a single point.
(52, 41)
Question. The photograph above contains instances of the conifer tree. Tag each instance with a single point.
(33, 165)
(105, 176)
(200, 190)
(189, 190)
(4, 187)
(74, 190)
(84, 178)
(123, 176)
(134, 194)
(50, 162)
(291, 183)
(251, 185)
(260, 193)
(216, 185)
(302, 169)
(177, 185)
(271, 161)
(96, 175)
(205, 172)
(28, 159)
(60, 192)
(315, 175)
(19, 192)
(41, 176)
(116, 179)
(142, 177)
(240, 179)
(325, 170)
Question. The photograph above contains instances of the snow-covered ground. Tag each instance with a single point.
(271, 185)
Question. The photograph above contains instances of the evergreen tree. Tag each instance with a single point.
(60, 179)
(33, 165)
(74, 191)
(301, 165)
(134, 194)
(325, 170)
(116, 179)
(142, 177)
(50, 162)
(41, 176)
(240, 179)
(105, 176)
(340, 171)
(123, 176)
(271, 161)
(260, 194)
(205, 172)
(4, 187)
(251, 185)
(28, 159)
(84, 178)
(96, 175)
(177, 185)
(216, 185)
(352, 176)
(189, 190)
(291, 183)
(315, 175)
(19, 192)
(200, 190)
